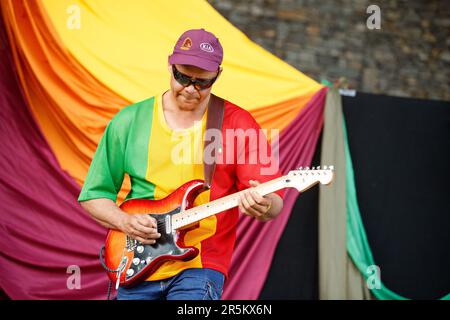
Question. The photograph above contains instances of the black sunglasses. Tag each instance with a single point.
(186, 81)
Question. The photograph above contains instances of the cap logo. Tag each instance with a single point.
(187, 44)
(205, 46)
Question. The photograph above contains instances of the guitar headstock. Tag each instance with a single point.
(303, 178)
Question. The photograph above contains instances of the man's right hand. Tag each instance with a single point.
(140, 227)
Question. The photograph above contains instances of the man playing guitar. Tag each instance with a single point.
(156, 142)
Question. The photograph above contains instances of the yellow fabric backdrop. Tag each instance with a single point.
(75, 80)
(125, 44)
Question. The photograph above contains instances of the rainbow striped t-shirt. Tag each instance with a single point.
(139, 142)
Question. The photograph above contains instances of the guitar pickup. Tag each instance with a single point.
(168, 224)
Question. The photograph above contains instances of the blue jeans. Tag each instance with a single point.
(190, 284)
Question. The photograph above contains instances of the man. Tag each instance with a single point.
(143, 141)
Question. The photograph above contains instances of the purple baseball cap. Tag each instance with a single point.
(198, 47)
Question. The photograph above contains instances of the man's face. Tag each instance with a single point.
(189, 98)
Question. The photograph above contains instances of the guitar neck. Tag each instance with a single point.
(200, 212)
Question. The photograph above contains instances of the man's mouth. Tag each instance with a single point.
(189, 99)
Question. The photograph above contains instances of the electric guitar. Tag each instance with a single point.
(128, 261)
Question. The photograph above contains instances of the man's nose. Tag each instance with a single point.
(190, 88)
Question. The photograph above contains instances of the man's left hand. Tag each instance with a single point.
(251, 203)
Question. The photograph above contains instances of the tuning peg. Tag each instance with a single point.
(318, 168)
(307, 168)
(331, 167)
(300, 168)
(325, 167)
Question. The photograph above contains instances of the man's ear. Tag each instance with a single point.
(220, 72)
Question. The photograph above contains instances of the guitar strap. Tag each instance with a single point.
(214, 120)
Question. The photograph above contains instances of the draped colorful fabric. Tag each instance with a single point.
(43, 229)
(67, 68)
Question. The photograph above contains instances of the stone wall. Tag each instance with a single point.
(328, 39)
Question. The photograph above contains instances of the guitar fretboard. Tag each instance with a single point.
(200, 212)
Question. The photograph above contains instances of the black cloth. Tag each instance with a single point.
(400, 149)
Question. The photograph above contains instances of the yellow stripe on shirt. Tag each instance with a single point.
(175, 157)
